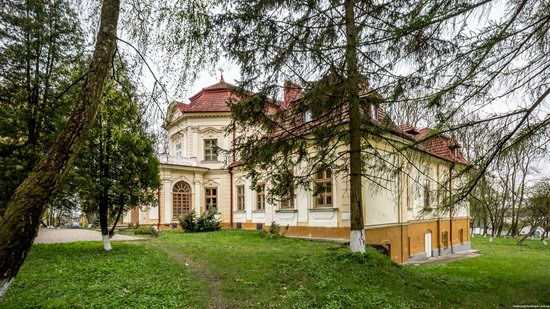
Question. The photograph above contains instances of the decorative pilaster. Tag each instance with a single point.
(167, 188)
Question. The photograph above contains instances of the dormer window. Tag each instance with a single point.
(373, 108)
(455, 150)
(179, 152)
(308, 116)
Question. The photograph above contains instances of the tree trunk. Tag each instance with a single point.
(103, 205)
(357, 233)
(103, 219)
(531, 231)
(19, 226)
(119, 213)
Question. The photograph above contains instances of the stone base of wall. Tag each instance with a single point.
(440, 252)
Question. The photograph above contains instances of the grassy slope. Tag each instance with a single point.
(504, 275)
(251, 271)
(83, 275)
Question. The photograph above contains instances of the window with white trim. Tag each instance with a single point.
(240, 198)
(260, 197)
(211, 150)
(323, 183)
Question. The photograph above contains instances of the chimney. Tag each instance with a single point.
(292, 92)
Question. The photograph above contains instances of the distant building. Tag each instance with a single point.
(195, 176)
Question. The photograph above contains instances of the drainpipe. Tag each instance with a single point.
(158, 206)
(233, 145)
(231, 197)
(451, 207)
(231, 182)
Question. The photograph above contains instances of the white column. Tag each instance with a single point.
(167, 187)
(302, 203)
(196, 146)
(198, 193)
(248, 200)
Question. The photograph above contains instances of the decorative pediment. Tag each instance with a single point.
(211, 183)
(173, 113)
(240, 180)
(177, 136)
(210, 131)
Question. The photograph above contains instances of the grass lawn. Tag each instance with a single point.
(239, 269)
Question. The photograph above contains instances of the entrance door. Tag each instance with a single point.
(428, 244)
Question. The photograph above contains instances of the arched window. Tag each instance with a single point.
(461, 235)
(181, 199)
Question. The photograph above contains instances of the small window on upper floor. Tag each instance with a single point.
(455, 151)
(179, 152)
(427, 197)
(373, 110)
(211, 150)
(308, 116)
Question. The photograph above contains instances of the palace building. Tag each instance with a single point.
(195, 176)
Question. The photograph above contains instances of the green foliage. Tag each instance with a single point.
(207, 222)
(150, 231)
(273, 232)
(41, 55)
(117, 166)
(371, 258)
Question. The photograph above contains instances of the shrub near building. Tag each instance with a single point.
(207, 222)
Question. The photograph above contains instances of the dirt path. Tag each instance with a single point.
(202, 272)
(48, 236)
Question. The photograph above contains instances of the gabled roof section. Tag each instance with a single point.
(441, 146)
(213, 98)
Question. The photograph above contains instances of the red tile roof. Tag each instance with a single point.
(213, 98)
(440, 145)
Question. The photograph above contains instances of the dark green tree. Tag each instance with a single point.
(450, 58)
(149, 23)
(40, 57)
(344, 55)
(19, 225)
(117, 168)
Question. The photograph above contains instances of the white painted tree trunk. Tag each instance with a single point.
(544, 242)
(491, 239)
(357, 241)
(106, 242)
(4, 285)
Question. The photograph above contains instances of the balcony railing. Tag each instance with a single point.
(167, 159)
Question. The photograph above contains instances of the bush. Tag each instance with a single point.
(188, 222)
(151, 231)
(207, 222)
(273, 232)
